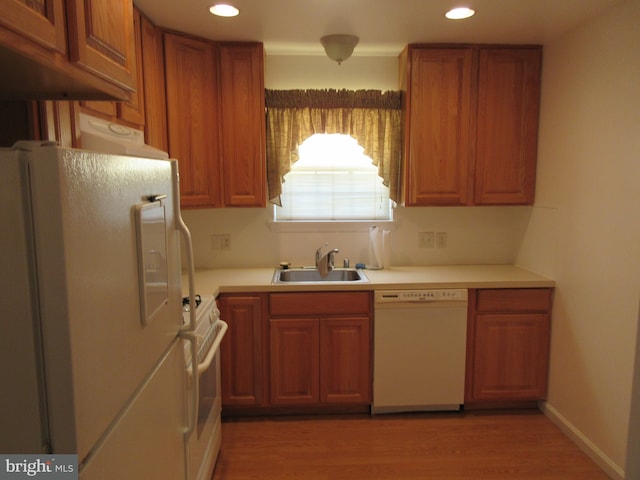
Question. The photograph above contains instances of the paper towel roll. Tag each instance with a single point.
(375, 248)
(386, 249)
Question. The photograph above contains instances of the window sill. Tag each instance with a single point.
(331, 226)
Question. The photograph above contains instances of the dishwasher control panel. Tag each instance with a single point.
(431, 295)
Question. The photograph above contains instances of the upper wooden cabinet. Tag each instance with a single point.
(215, 110)
(242, 125)
(101, 39)
(41, 21)
(73, 49)
(471, 124)
(192, 118)
(439, 119)
(507, 127)
(155, 99)
(132, 111)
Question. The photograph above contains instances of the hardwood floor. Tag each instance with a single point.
(479, 446)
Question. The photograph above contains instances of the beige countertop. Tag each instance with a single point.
(229, 280)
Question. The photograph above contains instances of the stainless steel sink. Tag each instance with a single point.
(312, 275)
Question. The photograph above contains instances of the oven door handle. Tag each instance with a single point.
(206, 363)
(195, 386)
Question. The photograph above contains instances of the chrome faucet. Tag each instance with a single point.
(324, 263)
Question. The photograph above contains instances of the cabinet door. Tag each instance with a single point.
(507, 132)
(155, 100)
(243, 125)
(294, 352)
(132, 111)
(242, 351)
(101, 39)
(345, 360)
(41, 21)
(192, 114)
(439, 114)
(510, 357)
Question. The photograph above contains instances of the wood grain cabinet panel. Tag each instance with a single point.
(507, 135)
(438, 133)
(155, 99)
(471, 124)
(41, 21)
(102, 39)
(131, 111)
(67, 49)
(242, 124)
(243, 350)
(345, 358)
(507, 346)
(215, 110)
(511, 357)
(192, 105)
(324, 357)
(295, 361)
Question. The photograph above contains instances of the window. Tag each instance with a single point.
(333, 180)
(372, 117)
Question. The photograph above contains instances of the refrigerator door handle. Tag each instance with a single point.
(186, 235)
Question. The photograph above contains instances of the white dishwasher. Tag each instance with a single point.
(419, 350)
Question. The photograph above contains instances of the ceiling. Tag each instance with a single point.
(294, 27)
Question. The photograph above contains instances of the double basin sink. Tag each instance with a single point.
(312, 275)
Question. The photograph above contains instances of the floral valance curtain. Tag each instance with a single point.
(372, 117)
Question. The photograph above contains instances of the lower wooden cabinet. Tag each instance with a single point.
(507, 345)
(307, 351)
(320, 360)
(320, 348)
(295, 361)
(243, 366)
(345, 360)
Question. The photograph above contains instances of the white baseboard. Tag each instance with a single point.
(587, 446)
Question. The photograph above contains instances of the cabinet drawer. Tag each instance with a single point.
(322, 303)
(514, 300)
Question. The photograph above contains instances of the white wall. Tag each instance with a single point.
(475, 235)
(585, 227)
(290, 72)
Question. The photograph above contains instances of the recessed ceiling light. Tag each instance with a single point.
(224, 10)
(459, 13)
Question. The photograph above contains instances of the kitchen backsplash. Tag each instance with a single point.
(228, 238)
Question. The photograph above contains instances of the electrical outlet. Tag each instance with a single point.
(226, 241)
(221, 242)
(426, 239)
(441, 239)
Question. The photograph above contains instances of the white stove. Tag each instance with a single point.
(203, 443)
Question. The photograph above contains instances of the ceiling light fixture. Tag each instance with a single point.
(339, 47)
(459, 13)
(224, 10)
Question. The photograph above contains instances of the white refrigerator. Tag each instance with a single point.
(91, 356)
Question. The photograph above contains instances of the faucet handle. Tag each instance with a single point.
(319, 252)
